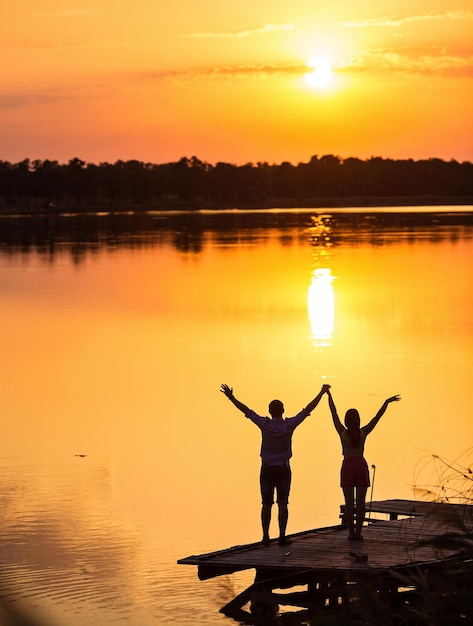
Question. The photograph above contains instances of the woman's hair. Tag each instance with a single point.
(352, 422)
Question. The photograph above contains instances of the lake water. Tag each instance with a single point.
(118, 453)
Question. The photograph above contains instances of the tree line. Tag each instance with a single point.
(47, 185)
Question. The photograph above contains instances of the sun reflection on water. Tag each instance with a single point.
(321, 300)
(321, 307)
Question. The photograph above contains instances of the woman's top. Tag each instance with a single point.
(348, 448)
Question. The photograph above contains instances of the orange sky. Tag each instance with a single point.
(155, 81)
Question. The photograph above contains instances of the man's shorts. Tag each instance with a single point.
(355, 472)
(275, 477)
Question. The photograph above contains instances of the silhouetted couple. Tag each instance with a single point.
(276, 452)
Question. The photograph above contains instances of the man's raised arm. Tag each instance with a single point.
(228, 391)
(313, 403)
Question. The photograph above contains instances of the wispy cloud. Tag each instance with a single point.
(408, 60)
(265, 69)
(433, 61)
(27, 100)
(400, 20)
(241, 31)
(248, 70)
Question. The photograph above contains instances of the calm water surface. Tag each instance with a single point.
(119, 455)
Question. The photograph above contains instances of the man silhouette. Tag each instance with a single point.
(276, 451)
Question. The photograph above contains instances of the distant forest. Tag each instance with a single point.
(35, 186)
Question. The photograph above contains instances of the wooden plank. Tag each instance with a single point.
(334, 569)
(387, 545)
(413, 508)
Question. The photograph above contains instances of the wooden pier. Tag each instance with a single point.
(338, 574)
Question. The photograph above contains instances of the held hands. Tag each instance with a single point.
(325, 388)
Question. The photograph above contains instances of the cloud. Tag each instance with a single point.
(242, 31)
(433, 61)
(266, 69)
(253, 70)
(26, 100)
(408, 60)
(396, 20)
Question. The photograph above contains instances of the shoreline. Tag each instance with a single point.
(273, 203)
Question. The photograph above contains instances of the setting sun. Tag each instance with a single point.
(261, 83)
(321, 75)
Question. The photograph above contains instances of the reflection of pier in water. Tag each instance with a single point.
(339, 574)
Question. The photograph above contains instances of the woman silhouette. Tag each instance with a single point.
(354, 475)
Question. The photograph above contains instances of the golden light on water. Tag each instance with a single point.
(94, 358)
(321, 307)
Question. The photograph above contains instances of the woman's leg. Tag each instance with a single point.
(360, 509)
(349, 493)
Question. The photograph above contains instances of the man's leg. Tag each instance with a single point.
(282, 519)
(266, 520)
(267, 498)
(283, 487)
